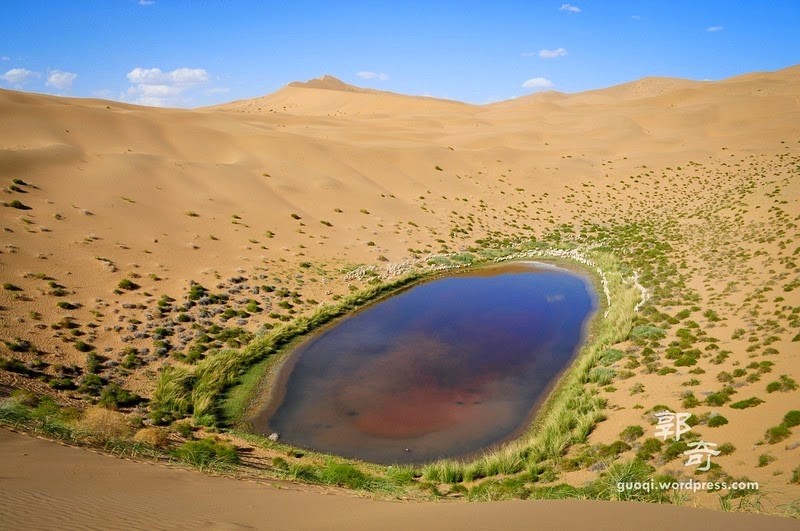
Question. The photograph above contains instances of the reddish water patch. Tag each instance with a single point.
(443, 369)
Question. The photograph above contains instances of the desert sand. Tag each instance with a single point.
(321, 186)
(49, 486)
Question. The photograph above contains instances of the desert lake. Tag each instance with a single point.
(443, 369)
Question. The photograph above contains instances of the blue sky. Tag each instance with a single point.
(190, 53)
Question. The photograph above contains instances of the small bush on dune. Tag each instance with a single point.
(113, 397)
(153, 436)
(777, 434)
(207, 452)
(792, 419)
(16, 203)
(631, 433)
(127, 284)
(717, 421)
(343, 475)
(103, 424)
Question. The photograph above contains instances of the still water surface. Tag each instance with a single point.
(443, 369)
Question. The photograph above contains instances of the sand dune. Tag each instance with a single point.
(94, 491)
(294, 189)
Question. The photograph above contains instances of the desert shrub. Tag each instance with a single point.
(127, 284)
(91, 384)
(401, 475)
(744, 404)
(172, 396)
(764, 460)
(152, 436)
(647, 332)
(103, 424)
(716, 421)
(777, 434)
(131, 359)
(649, 448)
(61, 384)
(792, 419)
(14, 365)
(183, 428)
(726, 448)
(113, 397)
(16, 203)
(674, 449)
(720, 397)
(610, 356)
(635, 471)
(785, 384)
(82, 346)
(601, 376)
(13, 411)
(19, 345)
(207, 452)
(631, 433)
(343, 475)
(196, 291)
(93, 361)
(689, 400)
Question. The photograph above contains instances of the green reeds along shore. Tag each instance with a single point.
(220, 388)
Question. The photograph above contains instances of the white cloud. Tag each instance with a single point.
(552, 54)
(146, 2)
(5, 58)
(636, 17)
(103, 94)
(714, 28)
(528, 54)
(537, 83)
(61, 80)
(178, 77)
(569, 8)
(152, 86)
(18, 76)
(380, 76)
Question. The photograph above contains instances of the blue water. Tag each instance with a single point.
(443, 369)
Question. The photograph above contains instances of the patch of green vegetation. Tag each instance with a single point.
(785, 384)
(792, 419)
(716, 421)
(207, 453)
(777, 434)
(631, 433)
(114, 397)
(744, 404)
(16, 203)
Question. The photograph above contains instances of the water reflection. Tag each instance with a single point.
(443, 369)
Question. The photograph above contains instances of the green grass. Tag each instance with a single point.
(777, 434)
(744, 404)
(716, 421)
(207, 453)
(791, 419)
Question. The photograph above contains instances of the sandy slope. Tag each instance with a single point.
(48, 486)
(290, 188)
